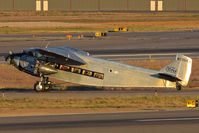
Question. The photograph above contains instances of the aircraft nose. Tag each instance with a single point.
(13, 59)
(9, 59)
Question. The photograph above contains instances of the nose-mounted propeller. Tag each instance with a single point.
(9, 57)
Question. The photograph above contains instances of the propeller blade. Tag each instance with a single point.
(10, 53)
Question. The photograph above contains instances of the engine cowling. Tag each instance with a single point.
(45, 69)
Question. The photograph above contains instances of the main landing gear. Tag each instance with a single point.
(43, 85)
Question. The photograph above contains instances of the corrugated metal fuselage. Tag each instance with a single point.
(114, 75)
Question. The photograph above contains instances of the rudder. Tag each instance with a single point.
(179, 70)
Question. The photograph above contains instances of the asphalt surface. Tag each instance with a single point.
(137, 122)
(116, 46)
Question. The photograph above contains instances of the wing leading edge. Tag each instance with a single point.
(60, 55)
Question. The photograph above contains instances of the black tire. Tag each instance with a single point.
(48, 88)
(178, 87)
(38, 88)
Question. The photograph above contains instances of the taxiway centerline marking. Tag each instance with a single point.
(170, 119)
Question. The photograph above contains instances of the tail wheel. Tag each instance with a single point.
(178, 87)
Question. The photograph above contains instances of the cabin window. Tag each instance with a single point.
(65, 68)
(81, 71)
(99, 75)
(94, 74)
(77, 70)
(88, 73)
(72, 69)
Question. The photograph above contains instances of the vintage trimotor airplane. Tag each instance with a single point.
(76, 66)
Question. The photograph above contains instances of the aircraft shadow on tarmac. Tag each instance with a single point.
(22, 90)
(78, 88)
(68, 88)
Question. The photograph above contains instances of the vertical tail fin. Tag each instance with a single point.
(180, 69)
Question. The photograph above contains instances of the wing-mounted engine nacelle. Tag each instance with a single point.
(45, 69)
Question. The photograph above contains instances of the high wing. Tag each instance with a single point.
(60, 55)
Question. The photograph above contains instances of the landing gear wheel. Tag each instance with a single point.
(38, 86)
(48, 86)
(178, 87)
(43, 86)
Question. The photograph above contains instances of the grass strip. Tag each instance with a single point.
(97, 21)
(17, 30)
(138, 102)
(132, 28)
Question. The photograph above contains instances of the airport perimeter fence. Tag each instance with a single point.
(100, 5)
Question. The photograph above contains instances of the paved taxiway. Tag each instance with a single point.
(115, 46)
(136, 122)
